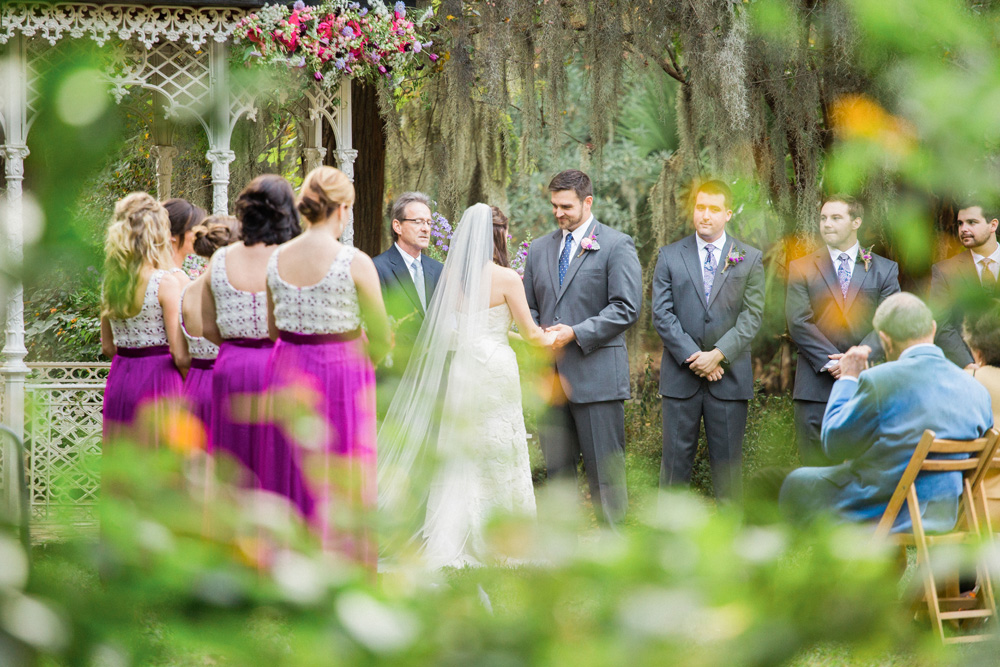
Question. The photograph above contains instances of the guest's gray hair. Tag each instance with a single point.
(399, 208)
(903, 317)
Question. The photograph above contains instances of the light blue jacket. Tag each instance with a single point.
(874, 424)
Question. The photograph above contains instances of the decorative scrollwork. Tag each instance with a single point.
(101, 23)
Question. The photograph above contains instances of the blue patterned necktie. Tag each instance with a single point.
(708, 273)
(844, 273)
(564, 258)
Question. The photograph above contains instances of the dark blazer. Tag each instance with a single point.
(400, 294)
(600, 298)
(729, 320)
(955, 290)
(822, 322)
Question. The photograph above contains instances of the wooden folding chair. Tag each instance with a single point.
(973, 527)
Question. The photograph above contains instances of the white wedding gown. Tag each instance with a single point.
(482, 453)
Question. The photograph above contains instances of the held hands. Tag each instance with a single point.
(548, 338)
(853, 361)
(835, 370)
(564, 335)
(707, 364)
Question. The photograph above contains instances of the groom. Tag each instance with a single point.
(584, 282)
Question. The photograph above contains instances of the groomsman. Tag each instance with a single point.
(965, 281)
(584, 282)
(831, 300)
(408, 276)
(708, 299)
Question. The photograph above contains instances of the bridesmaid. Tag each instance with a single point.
(322, 380)
(213, 233)
(234, 316)
(140, 327)
(184, 217)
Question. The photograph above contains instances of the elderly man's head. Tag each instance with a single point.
(902, 321)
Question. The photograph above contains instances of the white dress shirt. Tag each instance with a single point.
(578, 235)
(978, 260)
(718, 244)
(412, 266)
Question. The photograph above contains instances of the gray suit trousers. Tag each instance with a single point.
(595, 431)
(725, 424)
(808, 429)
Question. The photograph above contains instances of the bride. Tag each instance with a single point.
(452, 450)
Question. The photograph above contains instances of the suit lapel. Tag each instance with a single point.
(720, 271)
(404, 278)
(577, 260)
(693, 264)
(858, 278)
(825, 265)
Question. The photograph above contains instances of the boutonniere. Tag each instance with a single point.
(735, 256)
(588, 243)
(866, 256)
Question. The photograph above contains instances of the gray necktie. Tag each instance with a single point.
(417, 271)
(708, 269)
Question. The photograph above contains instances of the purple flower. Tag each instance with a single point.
(256, 54)
(339, 63)
(428, 44)
(348, 31)
(363, 12)
(381, 68)
(376, 57)
(354, 5)
(298, 6)
(302, 63)
(401, 8)
(417, 47)
(318, 75)
(433, 57)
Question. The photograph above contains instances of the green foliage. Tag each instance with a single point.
(62, 318)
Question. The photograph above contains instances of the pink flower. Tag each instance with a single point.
(318, 75)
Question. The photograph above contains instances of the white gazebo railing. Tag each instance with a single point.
(181, 55)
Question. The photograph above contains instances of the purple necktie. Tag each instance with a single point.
(844, 273)
(708, 272)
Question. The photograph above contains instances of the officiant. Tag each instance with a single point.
(408, 277)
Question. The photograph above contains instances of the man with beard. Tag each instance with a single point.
(967, 281)
(831, 299)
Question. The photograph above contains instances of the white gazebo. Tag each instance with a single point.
(180, 52)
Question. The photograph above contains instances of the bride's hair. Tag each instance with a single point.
(500, 229)
(139, 236)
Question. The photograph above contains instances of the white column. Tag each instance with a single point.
(220, 161)
(313, 157)
(164, 156)
(220, 126)
(13, 101)
(345, 161)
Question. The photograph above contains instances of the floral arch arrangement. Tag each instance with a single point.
(340, 38)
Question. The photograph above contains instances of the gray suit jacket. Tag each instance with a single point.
(822, 322)
(729, 320)
(956, 291)
(600, 298)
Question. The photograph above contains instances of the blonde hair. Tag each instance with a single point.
(139, 237)
(323, 190)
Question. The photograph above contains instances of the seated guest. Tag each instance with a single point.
(876, 417)
(982, 335)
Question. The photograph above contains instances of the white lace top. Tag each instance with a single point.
(329, 306)
(146, 328)
(238, 314)
(199, 347)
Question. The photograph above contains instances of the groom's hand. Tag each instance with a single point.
(564, 335)
(704, 364)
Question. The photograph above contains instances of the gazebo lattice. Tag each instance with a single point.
(181, 55)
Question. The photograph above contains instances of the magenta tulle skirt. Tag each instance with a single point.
(142, 391)
(239, 425)
(323, 400)
(198, 393)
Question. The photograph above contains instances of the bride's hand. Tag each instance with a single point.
(549, 339)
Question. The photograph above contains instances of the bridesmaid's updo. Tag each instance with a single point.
(214, 232)
(500, 230)
(139, 236)
(323, 190)
(266, 211)
(184, 217)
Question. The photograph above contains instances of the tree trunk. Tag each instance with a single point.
(368, 139)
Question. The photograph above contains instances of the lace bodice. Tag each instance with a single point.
(499, 322)
(329, 306)
(238, 314)
(145, 329)
(200, 348)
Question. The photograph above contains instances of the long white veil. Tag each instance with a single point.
(438, 394)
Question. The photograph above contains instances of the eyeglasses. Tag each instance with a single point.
(419, 222)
